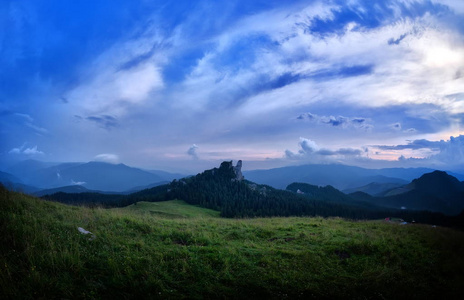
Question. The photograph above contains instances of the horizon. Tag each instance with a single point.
(186, 85)
(244, 166)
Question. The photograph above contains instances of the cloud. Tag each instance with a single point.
(450, 152)
(78, 182)
(107, 157)
(399, 128)
(29, 122)
(395, 126)
(424, 45)
(339, 121)
(236, 78)
(26, 151)
(413, 145)
(104, 121)
(309, 150)
(26, 117)
(192, 151)
(308, 146)
(123, 76)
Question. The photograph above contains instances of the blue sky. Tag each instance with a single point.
(182, 85)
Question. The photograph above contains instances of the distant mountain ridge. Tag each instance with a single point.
(375, 188)
(341, 177)
(435, 191)
(224, 189)
(93, 175)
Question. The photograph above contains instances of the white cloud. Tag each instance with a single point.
(78, 182)
(125, 75)
(448, 154)
(308, 146)
(29, 122)
(107, 157)
(456, 5)
(26, 151)
(310, 152)
(112, 91)
(397, 70)
(15, 151)
(192, 151)
(26, 117)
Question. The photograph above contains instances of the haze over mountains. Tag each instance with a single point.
(341, 177)
(395, 188)
(33, 175)
(435, 191)
(92, 175)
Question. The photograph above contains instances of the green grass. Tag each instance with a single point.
(170, 209)
(172, 250)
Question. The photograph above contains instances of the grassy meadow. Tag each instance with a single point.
(172, 250)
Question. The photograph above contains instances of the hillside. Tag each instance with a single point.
(328, 194)
(15, 184)
(225, 190)
(375, 188)
(435, 191)
(145, 251)
(70, 189)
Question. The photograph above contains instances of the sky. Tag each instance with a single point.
(182, 85)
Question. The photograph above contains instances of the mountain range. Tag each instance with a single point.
(435, 191)
(32, 175)
(367, 188)
(342, 177)
(434, 198)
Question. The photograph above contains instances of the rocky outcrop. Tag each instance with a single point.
(227, 169)
(238, 171)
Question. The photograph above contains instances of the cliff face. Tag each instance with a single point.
(238, 171)
(227, 169)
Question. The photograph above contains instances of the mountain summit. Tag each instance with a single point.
(439, 184)
(435, 191)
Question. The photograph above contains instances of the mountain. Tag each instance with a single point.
(435, 191)
(166, 175)
(105, 176)
(226, 190)
(74, 189)
(327, 193)
(71, 189)
(376, 188)
(28, 168)
(144, 187)
(7, 177)
(339, 176)
(92, 175)
(13, 183)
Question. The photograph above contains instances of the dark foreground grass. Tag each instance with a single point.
(173, 251)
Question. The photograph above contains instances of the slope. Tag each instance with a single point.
(435, 191)
(135, 254)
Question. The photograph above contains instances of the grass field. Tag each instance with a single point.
(171, 250)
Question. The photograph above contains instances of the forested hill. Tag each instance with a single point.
(224, 189)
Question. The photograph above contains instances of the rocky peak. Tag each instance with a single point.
(235, 172)
(238, 171)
